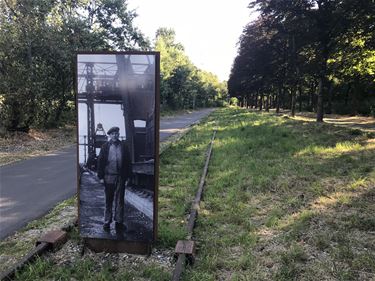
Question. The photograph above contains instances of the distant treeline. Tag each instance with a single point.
(38, 43)
(308, 55)
(183, 85)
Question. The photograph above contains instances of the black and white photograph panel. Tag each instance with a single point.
(116, 145)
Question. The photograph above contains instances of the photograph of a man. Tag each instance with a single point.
(114, 171)
(117, 102)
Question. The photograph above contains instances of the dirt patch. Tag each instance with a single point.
(19, 145)
(365, 123)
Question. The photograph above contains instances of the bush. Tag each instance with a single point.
(233, 101)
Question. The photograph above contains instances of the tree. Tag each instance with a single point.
(305, 51)
(183, 85)
(38, 41)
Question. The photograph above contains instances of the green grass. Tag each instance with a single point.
(181, 167)
(284, 200)
(296, 195)
(19, 244)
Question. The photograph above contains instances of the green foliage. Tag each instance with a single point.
(317, 54)
(38, 41)
(233, 101)
(183, 85)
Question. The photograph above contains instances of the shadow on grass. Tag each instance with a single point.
(308, 182)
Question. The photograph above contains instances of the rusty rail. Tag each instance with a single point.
(183, 254)
(51, 240)
(55, 238)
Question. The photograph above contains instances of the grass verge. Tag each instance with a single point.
(285, 200)
(167, 112)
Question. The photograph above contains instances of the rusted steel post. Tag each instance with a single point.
(179, 267)
(49, 241)
(193, 214)
(37, 251)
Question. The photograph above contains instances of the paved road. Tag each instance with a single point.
(30, 188)
(171, 125)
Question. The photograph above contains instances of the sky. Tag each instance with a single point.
(109, 115)
(208, 29)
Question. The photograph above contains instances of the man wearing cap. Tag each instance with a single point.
(114, 171)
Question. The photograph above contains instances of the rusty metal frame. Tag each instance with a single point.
(134, 247)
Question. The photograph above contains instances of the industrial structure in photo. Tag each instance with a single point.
(122, 87)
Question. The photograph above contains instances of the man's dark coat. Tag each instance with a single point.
(126, 160)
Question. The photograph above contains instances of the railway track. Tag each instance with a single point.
(184, 250)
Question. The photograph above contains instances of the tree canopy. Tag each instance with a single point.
(319, 54)
(38, 42)
(183, 85)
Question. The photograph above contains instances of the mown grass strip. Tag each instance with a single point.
(287, 200)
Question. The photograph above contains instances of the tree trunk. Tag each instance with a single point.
(323, 39)
(270, 101)
(295, 84)
(261, 102)
(354, 99)
(300, 98)
(275, 100)
(319, 114)
(311, 97)
(293, 102)
(283, 102)
(255, 100)
(267, 105)
(290, 98)
(15, 116)
(347, 94)
(278, 97)
(330, 92)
